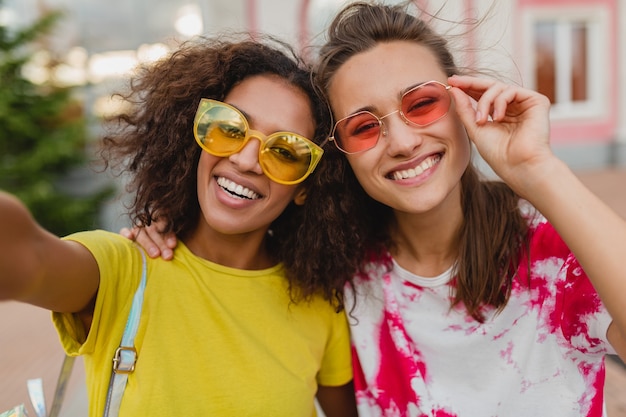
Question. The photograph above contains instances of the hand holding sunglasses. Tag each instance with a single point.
(285, 157)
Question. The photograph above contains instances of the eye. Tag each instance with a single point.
(286, 153)
(288, 149)
(424, 99)
(364, 129)
(422, 104)
(359, 126)
(231, 131)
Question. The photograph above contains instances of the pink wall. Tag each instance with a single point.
(252, 21)
(603, 129)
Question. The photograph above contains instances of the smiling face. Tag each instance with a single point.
(411, 169)
(235, 197)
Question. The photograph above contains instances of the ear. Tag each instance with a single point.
(300, 196)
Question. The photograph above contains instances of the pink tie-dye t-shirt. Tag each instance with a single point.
(543, 355)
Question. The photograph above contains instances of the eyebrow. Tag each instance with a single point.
(402, 92)
(250, 120)
(248, 117)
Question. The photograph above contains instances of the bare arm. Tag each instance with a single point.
(516, 145)
(337, 401)
(38, 268)
(594, 233)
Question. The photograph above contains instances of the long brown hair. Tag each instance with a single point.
(493, 231)
(152, 140)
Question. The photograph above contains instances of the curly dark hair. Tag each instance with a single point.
(152, 140)
(359, 229)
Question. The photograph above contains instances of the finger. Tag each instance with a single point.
(492, 97)
(167, 254)
(465, 109)
(127, 233)
(501, 102)
(163, 239)
(494, 101)
(147, 243)
(472, 86)
(171, 241)
(152, 238)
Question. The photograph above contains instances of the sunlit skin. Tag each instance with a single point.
(430, 201)
(510, 128)
(231, 229)
(238, 204)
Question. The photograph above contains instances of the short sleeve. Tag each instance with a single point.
(336, 367)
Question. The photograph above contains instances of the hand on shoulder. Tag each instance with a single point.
(155, 242)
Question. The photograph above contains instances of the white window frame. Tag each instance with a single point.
(596, 20)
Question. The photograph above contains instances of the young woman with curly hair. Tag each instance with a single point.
(228, 328)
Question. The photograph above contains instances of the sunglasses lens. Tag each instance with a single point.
(286, 157)
(421, 106)
(426, 103)
(220, 130)
(357, 133)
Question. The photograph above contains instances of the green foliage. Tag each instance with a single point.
(43, 137)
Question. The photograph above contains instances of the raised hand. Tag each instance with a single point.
(509, 126)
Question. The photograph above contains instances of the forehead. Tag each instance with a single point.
(272, 104)
(377, 77)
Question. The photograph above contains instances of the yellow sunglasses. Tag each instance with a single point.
(285, 157)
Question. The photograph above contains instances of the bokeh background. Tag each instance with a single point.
(60, 60)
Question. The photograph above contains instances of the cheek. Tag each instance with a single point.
(364, 161)
(282, 194)
(205, 165)
(362, 166)
(464, 145)
(459, 142)
(204, 173)
(359, 165)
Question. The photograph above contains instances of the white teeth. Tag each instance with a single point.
(237, 190)
(414, 172)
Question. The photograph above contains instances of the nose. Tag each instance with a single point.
(247, 159)
(399, 136)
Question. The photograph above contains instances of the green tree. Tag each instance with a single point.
(43, 136)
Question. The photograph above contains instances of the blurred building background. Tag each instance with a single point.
(574, 51)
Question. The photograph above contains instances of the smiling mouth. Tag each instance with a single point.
(236, 190)
(416, 171)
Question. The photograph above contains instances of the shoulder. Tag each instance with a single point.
(114, 254)
(102, 242)
(548, 254)
(543, 239)
(97, 237)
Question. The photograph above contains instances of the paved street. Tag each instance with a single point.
(29, 346)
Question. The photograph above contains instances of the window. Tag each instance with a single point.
(568, 54)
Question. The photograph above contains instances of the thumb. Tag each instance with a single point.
(464, 107)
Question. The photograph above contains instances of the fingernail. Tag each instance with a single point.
(153, 252)
(168, 254)
(479, 116)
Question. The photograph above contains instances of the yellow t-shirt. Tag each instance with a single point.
(212, 340)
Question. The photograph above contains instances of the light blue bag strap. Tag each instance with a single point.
(126, 354)
(59, 393)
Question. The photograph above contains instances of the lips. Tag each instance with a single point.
(417, 170)
(236, 190)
